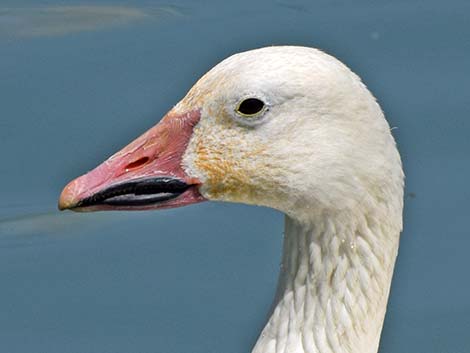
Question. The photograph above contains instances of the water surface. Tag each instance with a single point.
(80, 80)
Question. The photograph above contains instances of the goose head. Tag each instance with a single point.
(294, 129)
(290, 128)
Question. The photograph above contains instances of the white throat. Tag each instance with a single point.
(333, 287)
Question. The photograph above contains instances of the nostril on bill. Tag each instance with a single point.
(137, 163)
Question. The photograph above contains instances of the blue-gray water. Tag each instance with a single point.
(77, 83)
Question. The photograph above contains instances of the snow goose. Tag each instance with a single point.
(294, 129)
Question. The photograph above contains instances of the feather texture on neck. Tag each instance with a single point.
(334, 285)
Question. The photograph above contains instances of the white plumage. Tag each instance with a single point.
(323, 154)
(294, 129)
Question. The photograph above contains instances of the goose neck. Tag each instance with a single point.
(333, 287)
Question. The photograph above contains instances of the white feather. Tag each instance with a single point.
(323, 154)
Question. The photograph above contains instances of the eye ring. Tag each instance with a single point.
(250, 107)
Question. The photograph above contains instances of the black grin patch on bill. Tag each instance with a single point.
(140, 192)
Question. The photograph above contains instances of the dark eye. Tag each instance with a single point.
(250, 107)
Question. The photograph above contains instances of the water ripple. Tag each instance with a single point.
(63, 20)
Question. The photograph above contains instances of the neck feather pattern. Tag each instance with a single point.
(333, 287)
